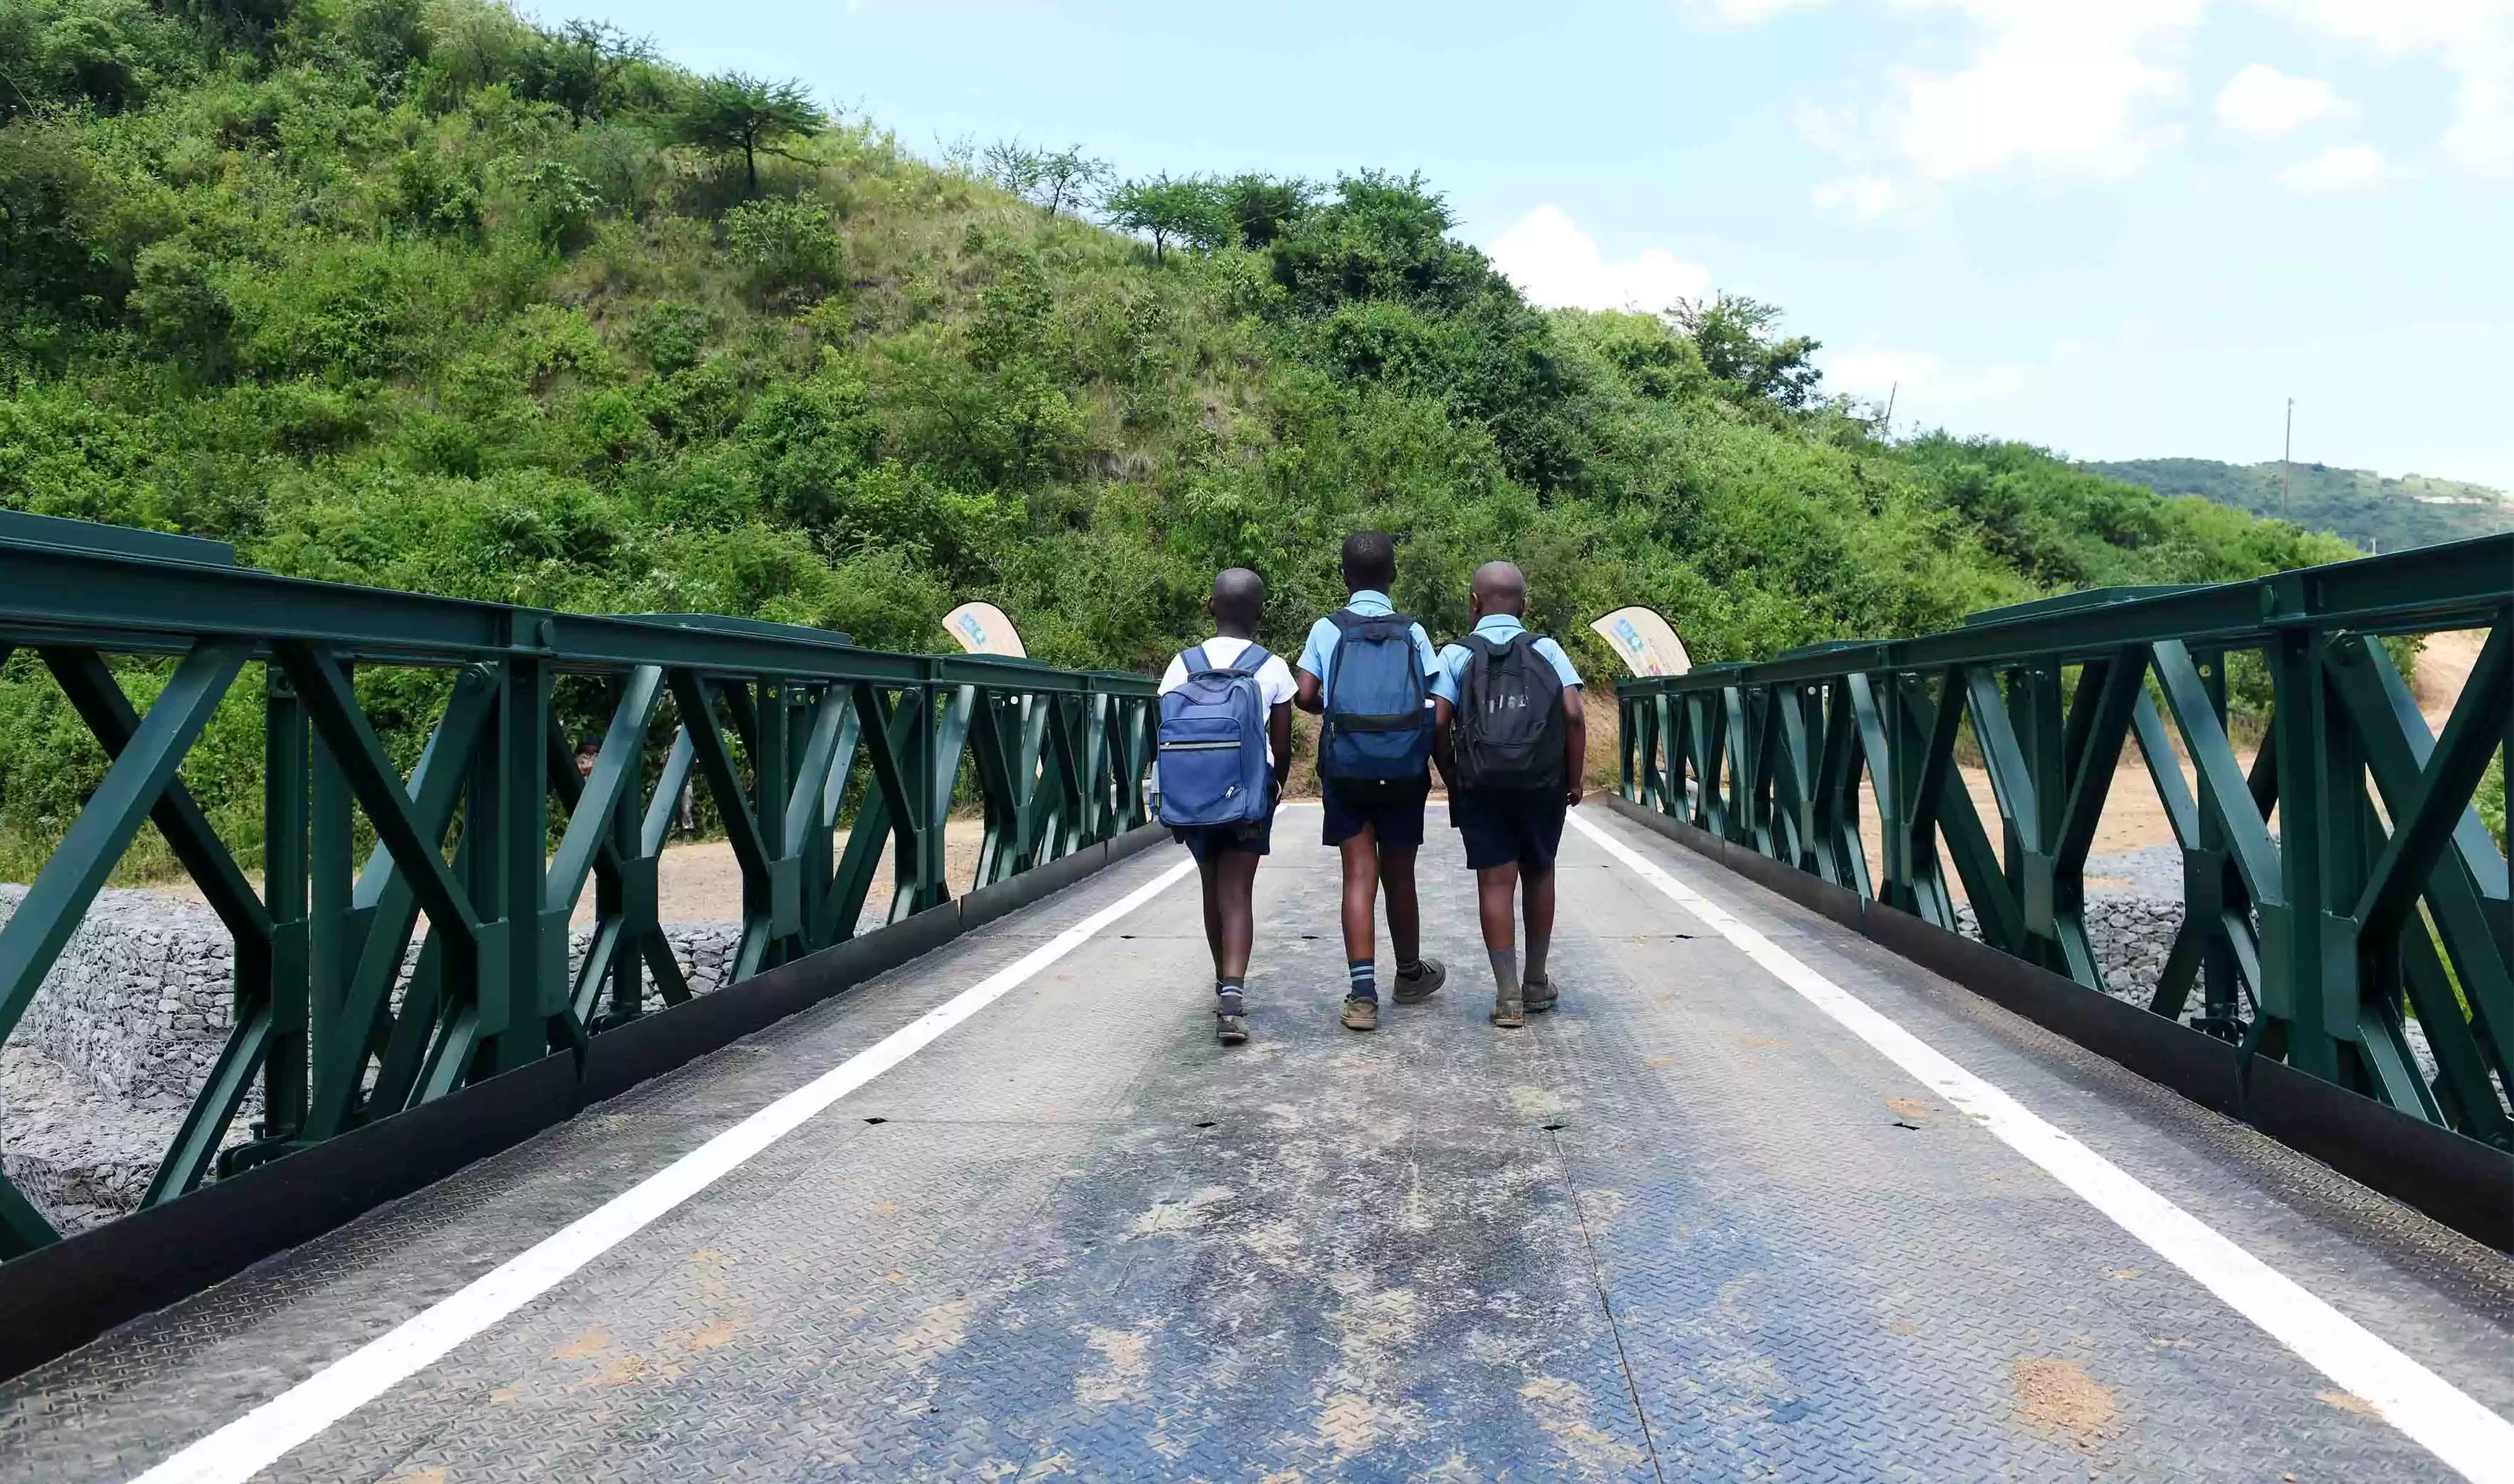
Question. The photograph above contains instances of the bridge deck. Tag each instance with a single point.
(1689, 1226)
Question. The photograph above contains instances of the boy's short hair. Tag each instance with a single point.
(1239, 594)
(1370, 561)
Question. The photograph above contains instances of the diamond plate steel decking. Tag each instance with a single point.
(1686, 1227)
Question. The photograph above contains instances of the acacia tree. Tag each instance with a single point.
(1065, 177)
(736, 112)
(1186, 211)
(1013, 166)
(1741, 345)
(1052, 179)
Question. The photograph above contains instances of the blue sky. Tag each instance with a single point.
(2121, 229)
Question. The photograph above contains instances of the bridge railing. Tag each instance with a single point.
(2336, 886)
(819, 758)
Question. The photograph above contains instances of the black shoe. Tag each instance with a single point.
(1538, 995)
(1230, 1020)
(1428, 979)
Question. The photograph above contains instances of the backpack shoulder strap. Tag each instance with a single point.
(1194, 661)
(1252, 659)
(1471, 678)
(1344, 618)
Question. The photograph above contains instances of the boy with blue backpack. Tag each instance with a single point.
(1225, 735)
(1367, 671)
(1513, 741)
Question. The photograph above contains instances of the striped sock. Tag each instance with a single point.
(1365, 985)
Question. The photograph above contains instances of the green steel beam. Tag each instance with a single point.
(2456, 585)
(2427, 815)
(87, 681)
(328, 1025)
(128, 604)
(343, 727)
(2381, 899)
(57, 899)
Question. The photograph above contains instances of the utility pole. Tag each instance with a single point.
(1889, 407)
(2286, 459)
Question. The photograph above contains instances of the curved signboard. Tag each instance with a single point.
(982, 629)
(1647, 641)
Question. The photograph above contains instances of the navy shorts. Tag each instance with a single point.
(1208, 841)
(1393, 807)
(1524, 826)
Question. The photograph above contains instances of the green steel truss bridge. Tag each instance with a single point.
(1840, 1160)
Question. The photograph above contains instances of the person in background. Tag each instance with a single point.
(1365, 669)
(586, 751)
(1511, 740)
(1207, 720)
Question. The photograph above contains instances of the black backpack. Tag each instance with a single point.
(1508, 732)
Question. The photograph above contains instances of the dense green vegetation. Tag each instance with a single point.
(2360, 506)
(414, 292)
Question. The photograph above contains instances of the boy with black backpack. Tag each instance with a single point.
(1511, 738)
(1225, 735)
(1367, 671)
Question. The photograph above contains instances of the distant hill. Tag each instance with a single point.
(2358, 505)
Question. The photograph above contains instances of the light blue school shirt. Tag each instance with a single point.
(1500, 628)
(1319, 653)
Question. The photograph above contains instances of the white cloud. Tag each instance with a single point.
(1913, 378)
(2079, 90)
(2049, 88)
(1557, 264)
(2472, 39)
(2268, 104)
(1862, 198)
(2346, 167)
(2059, 89)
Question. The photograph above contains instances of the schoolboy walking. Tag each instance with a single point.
(1367, 670)
(1225, 735)
(1511, 741)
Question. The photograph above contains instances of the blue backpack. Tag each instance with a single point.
(1214, 764)
(1378, 721)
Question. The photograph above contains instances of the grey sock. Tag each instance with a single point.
(1535, 973)
(1505, 966)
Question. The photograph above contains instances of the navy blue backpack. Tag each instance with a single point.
(1214, 764)
(1378, 716)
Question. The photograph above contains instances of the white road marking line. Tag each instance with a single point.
(261, 1437)
(2438, 1416)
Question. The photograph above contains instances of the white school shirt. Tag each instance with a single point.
(1274, 677)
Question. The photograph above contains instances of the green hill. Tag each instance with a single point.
(415, 293)
(2361, 507)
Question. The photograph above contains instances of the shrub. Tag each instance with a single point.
(672, 335)
(790, 253)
